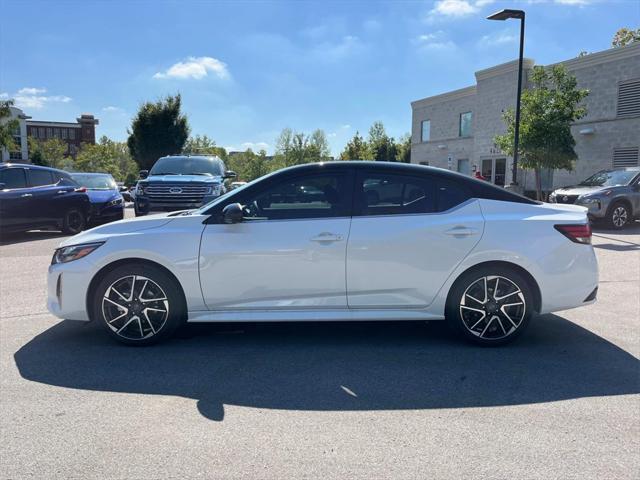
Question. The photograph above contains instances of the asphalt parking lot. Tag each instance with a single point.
(357, 400)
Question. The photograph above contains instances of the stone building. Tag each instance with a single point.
(20, 152)
(73, 134)
(455, 130)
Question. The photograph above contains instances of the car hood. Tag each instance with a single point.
(182, 179)
(103, 232)
(100, 196)
(579, 190)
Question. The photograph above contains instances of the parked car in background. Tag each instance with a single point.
(34, 197)
(610, 195)
(312, 243)
(181, 182)
(124, 191)
(107, 203)
(235, 185)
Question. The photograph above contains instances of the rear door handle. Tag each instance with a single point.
(24, 195)
(327, 237)
(62, 191)
(461, 231)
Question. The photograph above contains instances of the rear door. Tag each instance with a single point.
(408, 234)
(14, 198)
(43, 203)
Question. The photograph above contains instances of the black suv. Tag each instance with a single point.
(33, 197)
(181, 182)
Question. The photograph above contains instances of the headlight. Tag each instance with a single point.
(74, 252)
(589, 200)
(139, 189)
(215, 190)
(117, 201)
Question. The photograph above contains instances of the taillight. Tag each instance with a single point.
(81, 189)
(576, 233)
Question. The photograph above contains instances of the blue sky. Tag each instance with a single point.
(248, 69)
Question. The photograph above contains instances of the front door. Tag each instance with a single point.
(287, 253)
(14, 198)
(408, 234)
(494, 170)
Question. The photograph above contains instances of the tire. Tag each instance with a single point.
(618, 215)
(478, 317)
(73, 222)
(138, 319)
(138, 212)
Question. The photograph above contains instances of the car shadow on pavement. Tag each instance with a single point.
(336, 367)
(13, 238)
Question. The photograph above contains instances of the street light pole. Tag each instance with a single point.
(504, 15)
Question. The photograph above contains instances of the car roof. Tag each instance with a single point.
(92, 174)
(203, 157)
(31, 166)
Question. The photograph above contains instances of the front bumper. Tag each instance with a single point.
(67, 286)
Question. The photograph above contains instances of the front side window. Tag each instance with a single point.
(465, 124)
(38, 178)
(425, 134)
(13, 178)
(390, 194)
(312, 196)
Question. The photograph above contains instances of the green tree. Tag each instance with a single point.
(8, 126)
(203, 145)
(158, 129)
(625, 36)
(50, 153)
(249, 165)
(356, 149)
(382, 147)
(296, 148)
(548, 109)
(403, 152)
(107, 156)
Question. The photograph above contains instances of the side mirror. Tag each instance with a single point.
(144, 174)
(230, 174)
(232, 213)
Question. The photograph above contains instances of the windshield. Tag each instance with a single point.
(95, 182)
(609, 178)
(188, 166)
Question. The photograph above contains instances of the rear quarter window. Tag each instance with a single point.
(450, 194)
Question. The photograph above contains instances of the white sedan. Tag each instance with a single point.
(332, 242)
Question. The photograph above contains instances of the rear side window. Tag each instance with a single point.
(451, 194)
(389, 194)
(38, 178)
(13, 178)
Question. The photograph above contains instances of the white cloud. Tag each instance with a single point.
(197, 68)
(4, 95)
(346, 126)
(500, 38)
(434, 41)
(332, 134)
(111, 108)
(456, 8)
(30, 97)
(254, 146)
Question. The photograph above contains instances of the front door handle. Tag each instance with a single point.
(461, 231)
(327, 237)
(25, 195)
(62, 191)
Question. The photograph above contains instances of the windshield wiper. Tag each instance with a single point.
(165, 173)
(200, 173)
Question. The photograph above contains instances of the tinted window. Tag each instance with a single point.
(38, 178)
(13, 178)
(314, 196)
(188, 166)
(451, 194)
(385, 194)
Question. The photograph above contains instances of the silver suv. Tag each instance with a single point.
(610, 195)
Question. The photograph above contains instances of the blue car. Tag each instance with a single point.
(106, 201)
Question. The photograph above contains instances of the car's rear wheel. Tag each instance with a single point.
(138, 304)
(618, 215)
(73, 222)
(490, 305)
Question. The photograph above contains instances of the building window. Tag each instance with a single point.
(49, 132)
(56, 132)
(72, 134)
(41, 131)
(626, 157)
(425, 132)
(15, 155)
(465, 124)
(64, 133)
(629, 99)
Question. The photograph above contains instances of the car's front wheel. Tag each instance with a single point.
(138, 304)
(490, 305)
(618, 215)
(73, 222)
